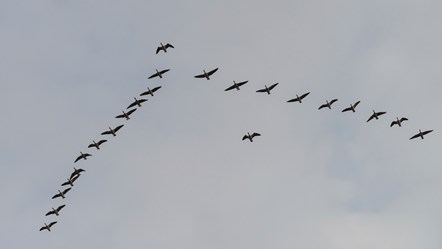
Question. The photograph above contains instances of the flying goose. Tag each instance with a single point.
(126, 114)
(70, 181)
(352, 107)
(61, 194)
(136, 102)
(299, 98)
(328, 104)
(267, 89)
(150, 91)
(55, 211)
(164, 47)
(250, 136)
(48, 227)
(206, 74)
(398, 121)
(97, 145)
(236, 85)
(76, 172)
(112, 131)
(159, 73)
(82, 156)
(375, 115)
(421, 134)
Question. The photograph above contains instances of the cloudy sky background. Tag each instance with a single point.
(178, 175)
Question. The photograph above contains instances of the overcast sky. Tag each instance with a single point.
(177, 175)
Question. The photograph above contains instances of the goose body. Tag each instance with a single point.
(150, 91)
(159, 73)
(82, 156)
(112, 131)
(48, 226)
(398, 121)
(55, 211)
(61, 193)
(164, 47)
(267, 89)
(76, 172)
(250, 136)
(126, 114)
(96, 144)
(236, 85)
(352, 107)
(328, 104)
(298, 98)
(375, 115)
(206, 74)
(136, 102)
(70, 181)
(421, 134)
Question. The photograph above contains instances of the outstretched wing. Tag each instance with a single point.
(245, 137)
(356, 104)
(132, 105)
(200, 76)
(78, 158)
(130, 112)
(304, 95)
(106, 133)
(262, 90)
(52, 223)
(49, 213)
(153, 75)
(242, 83)
(255, 135)
(230, 88)
(292, 100)
(404, 119)
(273, 86)
(370, 118)
(164, 71)
(415, 136)
(158, 50)
(118, 127)
(102, 141)
(381, 113)
(43, 228)
(426, 132)
(155, 89)
(66, 190)
(56, 195)
(322, 106)
(168, 45)
(333, 101)
(347, 109)
(393, 123)
(212, 72)
(60, 208)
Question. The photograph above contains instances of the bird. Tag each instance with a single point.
(76, 172)
(298, 98)
(136, 102)
(375, 115)
(97, 145)
(206, 74)
(112, 131)
(82, 156)
(61, 194)
(164, 47)
(55, 211)
(421, 134)
(352, 107)
(328, 104)
(70, 181)
(159, 73)
(48, 227)
(250, 136)
(398, 121)
(150, 91)
(236, 85)
(126, 114)
(267, 89)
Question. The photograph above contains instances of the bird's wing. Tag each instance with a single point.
(92, 145)
(347, 109)
(168, 45)
(153, 76)
(333, 101)
(322, 106)
(42, 228)
(142, 101)
(415, 136)
(292, 100)
(273, 86)
(242, 83)
(119, 116)
(56, 195)
(132, 105)
(200, 76)
(426, 132)
(75, 177)
(404, 119)
(356, 104)
(60, 208)
(78, 158)
(118, 127)
(155, 89)
(255, 134)
(87, 154)
(381, 113)
(102, 141)
(304, 95)
(261, 91)
(164, 71)
(158, 50)
(393, 123)
(370, 118)
(65, 183)
(212, 72)
(230, 88)
(52, 223)
(106, 133)
(131, 111)
(245, 137)
(66, 190)
(49, 213)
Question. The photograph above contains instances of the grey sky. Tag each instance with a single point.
(178, 175)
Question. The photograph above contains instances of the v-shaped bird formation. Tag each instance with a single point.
(73, 177)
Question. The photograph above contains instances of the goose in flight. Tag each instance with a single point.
(250, 136)
(136, 102)
(236, 85)
(159, 73)
(112, 131)
(328, 104)
(150, 91)
(61, 194)
(164, 47)
(76, 172)
(126, 114)
(299, 98)
(421, 134)
(96, 145)
(398, 121)
(82, 156)
(267, 89)
(352, 107)
(55, 211)
(70, 181)
(206, 74)
(375, 115)
(48, 227)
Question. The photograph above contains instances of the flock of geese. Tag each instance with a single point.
(249, 136)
